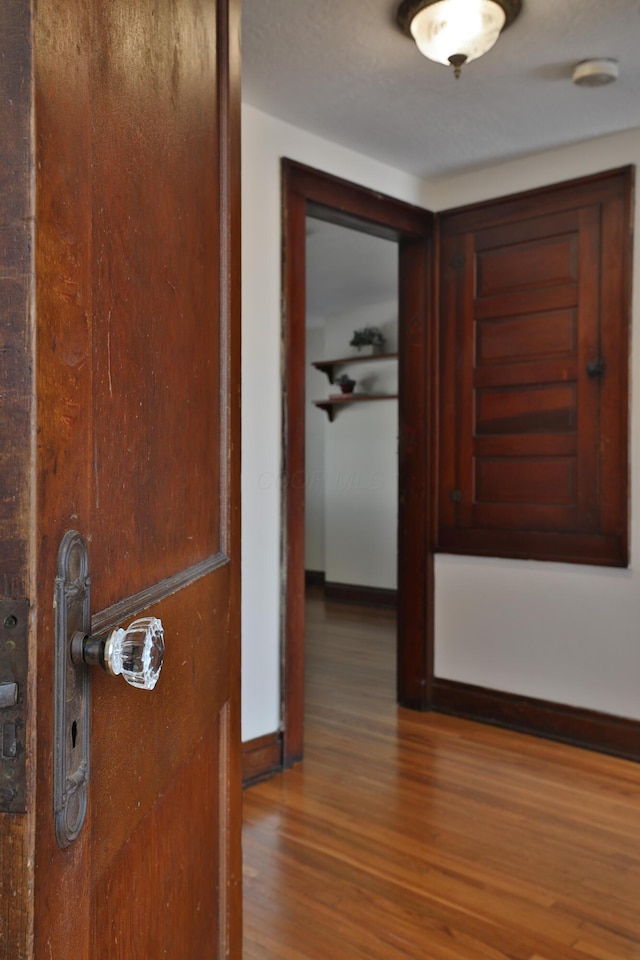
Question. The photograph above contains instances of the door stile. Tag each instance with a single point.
(230, 771)
(416, 474)
(64, 320)
(293, 467)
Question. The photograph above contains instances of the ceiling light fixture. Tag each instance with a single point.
(456, 31)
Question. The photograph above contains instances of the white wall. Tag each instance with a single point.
(358, 477)
(361, 463)
(560, 632)
(265, 141)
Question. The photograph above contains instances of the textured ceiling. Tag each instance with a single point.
(342, 69)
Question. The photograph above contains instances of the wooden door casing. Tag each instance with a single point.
(136, 270)
(325, 197)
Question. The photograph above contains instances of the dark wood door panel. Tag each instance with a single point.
(548, 262)
(156, 398)
(140, 751)
(547, 519)
(533, 227)
(534, 480)
(534, 445)
(130, 926)
(533, 300)
(528, 374)
(545, 489)
(533, 311)
(526, 409)
(526, 337)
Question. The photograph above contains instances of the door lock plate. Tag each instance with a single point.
(71, 698)
(14, 624)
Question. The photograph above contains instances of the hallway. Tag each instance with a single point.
(406, 835)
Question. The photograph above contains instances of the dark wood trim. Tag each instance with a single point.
(351, 592)
(512, 207)
(128, 607)
(305, 190)
(314, 578)
(417, 465)
(293, 466)
(350, 205)
(555, 721)
(17, 434)
(261, 758)
(230, 823)
(366, 596)
(605, 551)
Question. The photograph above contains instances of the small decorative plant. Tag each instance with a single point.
(345, 383)
(368, 336)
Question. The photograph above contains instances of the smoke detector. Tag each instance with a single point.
(595, 73)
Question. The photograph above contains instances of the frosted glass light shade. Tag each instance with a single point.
(462, 28)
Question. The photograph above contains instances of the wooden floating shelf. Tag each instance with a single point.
(327, 366)
(340, 400)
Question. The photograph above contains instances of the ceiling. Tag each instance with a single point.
(347, 270)
(342, 69)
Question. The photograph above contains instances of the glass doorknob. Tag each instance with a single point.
(137, 652)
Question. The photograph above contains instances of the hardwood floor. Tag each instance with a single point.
(406, 835)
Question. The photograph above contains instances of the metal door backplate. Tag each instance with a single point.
(14, 623)
(71, 699)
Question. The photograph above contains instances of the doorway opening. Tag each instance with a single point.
(351, 423)
(310, 193)
(351, 443)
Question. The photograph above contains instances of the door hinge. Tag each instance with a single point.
(595, 369)
(455, 496)
(457, 261)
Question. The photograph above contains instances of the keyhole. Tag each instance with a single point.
(74, 734)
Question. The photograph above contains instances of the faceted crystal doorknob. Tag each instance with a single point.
(137, 652)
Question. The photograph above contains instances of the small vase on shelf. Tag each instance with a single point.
(366, 350)
(345, 383)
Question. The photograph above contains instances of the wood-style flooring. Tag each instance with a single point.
(407, 835)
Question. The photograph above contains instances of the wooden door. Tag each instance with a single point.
(120, 287)
(310, 191)
(534, 319)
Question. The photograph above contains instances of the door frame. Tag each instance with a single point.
(309, 191)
